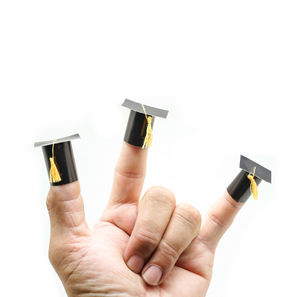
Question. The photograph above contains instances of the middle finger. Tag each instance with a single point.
(154, 214)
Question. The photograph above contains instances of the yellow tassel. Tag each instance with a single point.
(149, 135)
(54, 173)
(253, 186)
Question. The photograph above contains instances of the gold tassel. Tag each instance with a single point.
(54, 173)
(253, 185)
(149, 135)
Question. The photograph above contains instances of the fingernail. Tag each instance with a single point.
(152, 275)
(135, 263)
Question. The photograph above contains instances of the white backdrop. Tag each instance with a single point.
(228, 71)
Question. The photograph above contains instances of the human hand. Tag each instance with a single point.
(154, 231)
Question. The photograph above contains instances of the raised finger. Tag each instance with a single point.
(129, 175)
(127, 186)
(66, 210)
(218, 219)
(198, 257)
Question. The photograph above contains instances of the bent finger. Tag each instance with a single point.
(155, 211)
(182, 229)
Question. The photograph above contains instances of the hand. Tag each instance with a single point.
(138, 248)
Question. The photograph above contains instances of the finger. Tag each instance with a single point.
(182, 229)
(127, 186)
(155, 211)
(218, 219)
(198, 257)
(65, 207)
(129, 175)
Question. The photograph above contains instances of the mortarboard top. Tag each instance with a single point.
(138, 107)
(245, 183)
(59, 159)
(260, 171)
(56, 141)
(140, 123)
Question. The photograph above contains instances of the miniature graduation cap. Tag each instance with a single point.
(247, 180)
(140, 123)
(59, 160)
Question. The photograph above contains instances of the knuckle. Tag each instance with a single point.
(147, 239)
(168, 250)
(188, 214)
(69, 209)
(215, 219)
(64, 250)
(49, 201)
(161, 195)
(55, 254)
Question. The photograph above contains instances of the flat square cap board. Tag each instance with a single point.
(59, 140)
(260, 171)
(138, 107)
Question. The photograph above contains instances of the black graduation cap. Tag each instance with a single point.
(59, 160)
(247, 180)
(140, 123)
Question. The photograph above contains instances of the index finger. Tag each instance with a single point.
(129, 175)
(130, 172)
(131, 167)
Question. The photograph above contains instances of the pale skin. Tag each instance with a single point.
(148, 247)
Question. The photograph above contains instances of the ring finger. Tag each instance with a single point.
(182, 229)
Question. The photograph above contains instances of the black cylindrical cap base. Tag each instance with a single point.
(64, 160)
(239, 189)
(136, 128)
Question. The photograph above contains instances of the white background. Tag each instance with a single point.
(228, 71)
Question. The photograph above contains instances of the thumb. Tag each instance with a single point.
(66, 210)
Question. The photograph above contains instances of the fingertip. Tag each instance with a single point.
(136, 263)
(152, 275)
(162, 194)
